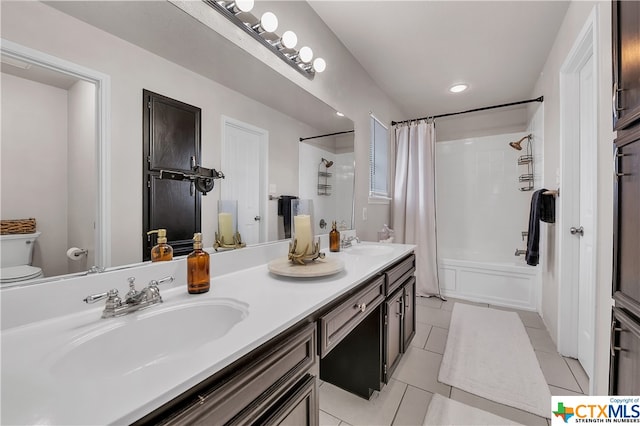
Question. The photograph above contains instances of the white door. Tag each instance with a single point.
(244, 163)
(586, 228)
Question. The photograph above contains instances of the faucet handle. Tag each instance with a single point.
(93, 298)
(155, 283)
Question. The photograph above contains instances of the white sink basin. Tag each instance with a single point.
(369, 250)
(144, 339)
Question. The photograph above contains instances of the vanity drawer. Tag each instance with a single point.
(397, 275)
(254, 389)
(338, 323)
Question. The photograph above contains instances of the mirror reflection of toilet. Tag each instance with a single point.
(16, 251)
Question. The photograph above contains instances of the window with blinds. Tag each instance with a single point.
(379, 160)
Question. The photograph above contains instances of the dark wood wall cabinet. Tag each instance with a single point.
(626, 66)
(359, 339)
(625, 322)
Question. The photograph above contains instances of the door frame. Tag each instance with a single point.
(568, 285)
(102, 184)
(264, 170)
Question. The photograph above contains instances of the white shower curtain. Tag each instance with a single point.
(414, 201)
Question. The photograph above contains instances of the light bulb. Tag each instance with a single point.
(244, 5)
(319, 64)
(289, 39)
(306, 54)
(269, 22)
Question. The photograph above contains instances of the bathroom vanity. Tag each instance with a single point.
(249, 351)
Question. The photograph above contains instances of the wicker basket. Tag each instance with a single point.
(18, 226)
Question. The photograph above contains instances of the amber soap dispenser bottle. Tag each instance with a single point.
(161, 251)
(198, 267)
(334, 238)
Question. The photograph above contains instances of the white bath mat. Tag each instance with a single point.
(488, 353)
(445, 411)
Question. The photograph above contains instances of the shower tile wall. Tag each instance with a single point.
(480, 210)
(338, 205)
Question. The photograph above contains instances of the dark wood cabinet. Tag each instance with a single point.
(270, 385)
(624, 370)
(626, 266)
(625, 323)
(393, 325)
(409, 314)
(626, 63)
(400, 325)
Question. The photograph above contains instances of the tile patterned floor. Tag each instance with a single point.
(405, 399)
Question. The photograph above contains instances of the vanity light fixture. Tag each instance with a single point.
(457, 88)
(238, 12)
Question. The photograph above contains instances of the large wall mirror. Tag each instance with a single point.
(95, 199)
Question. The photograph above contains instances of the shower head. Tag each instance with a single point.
(326, 162)
(518, 145)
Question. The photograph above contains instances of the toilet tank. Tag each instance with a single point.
(16, 249)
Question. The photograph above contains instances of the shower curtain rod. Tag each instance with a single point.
(328, 134)
(540, 99)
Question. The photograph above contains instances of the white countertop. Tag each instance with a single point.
(37, 390)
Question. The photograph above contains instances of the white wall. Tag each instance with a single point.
(481, 212)
(34, 165)
(549, 86)
(81, 168)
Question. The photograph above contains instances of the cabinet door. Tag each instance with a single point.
(299, 408)
(393, 333)
(626, 67)
(625, 354)
(627, 223)
(409, 313)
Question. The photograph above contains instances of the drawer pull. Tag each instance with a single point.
(361, 307)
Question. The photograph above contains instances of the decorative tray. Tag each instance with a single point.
(316, 268)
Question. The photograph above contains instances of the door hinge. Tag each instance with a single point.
(385, 369)
(149, 182)
(149, 104)
(386, 319)
(149, 159)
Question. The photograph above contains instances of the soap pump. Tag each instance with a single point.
(198, 279)
(161, 251)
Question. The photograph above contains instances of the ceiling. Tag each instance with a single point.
(416, 50)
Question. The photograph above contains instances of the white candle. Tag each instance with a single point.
(302, 229)
(225, 227)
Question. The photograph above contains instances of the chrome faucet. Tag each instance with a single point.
(133, 300)
(346, 242)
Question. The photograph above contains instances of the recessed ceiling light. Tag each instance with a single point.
(339, 114)
(458, 88)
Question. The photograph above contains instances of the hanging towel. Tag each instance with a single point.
(548, 208)
(533, 240)
(284, 210)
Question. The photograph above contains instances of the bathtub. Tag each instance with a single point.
(503, 282)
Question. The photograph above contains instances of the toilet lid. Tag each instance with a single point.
(19, 273)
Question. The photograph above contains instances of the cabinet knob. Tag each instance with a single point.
(361, 307)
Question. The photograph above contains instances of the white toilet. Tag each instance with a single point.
(16, 251)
